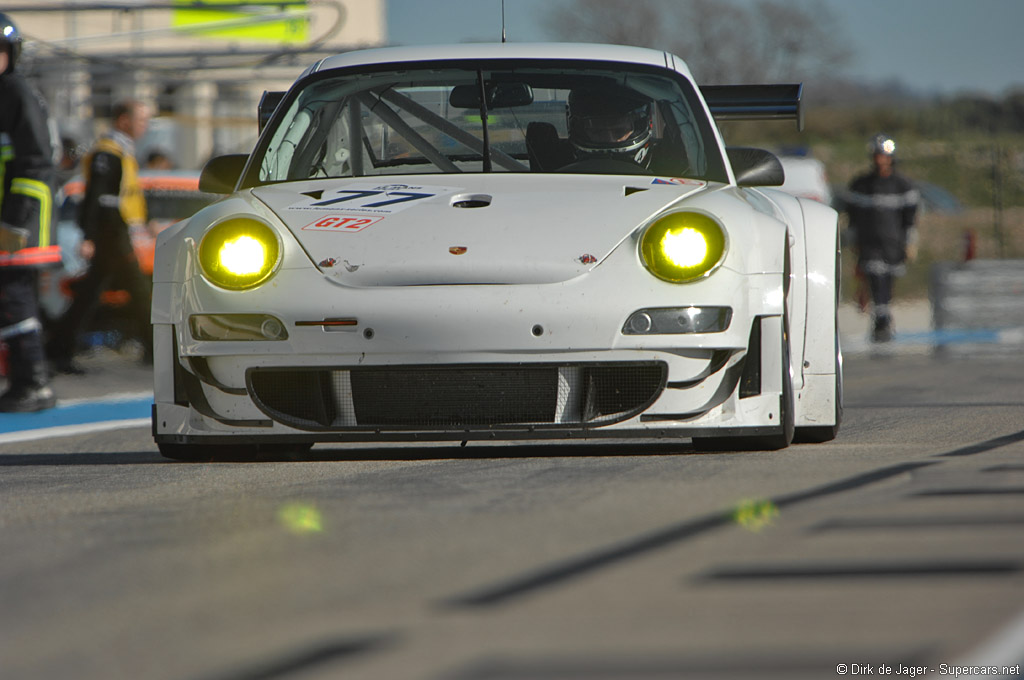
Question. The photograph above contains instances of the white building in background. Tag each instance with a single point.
(203, 70)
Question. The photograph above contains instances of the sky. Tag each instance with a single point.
(933, 46)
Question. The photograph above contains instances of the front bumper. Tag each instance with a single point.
(565, 396)
(467, 363)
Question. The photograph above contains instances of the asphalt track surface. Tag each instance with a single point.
(893, 549)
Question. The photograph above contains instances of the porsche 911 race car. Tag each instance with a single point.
(498, 242)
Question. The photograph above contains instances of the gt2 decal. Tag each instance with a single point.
(341, 223)
(371, 199)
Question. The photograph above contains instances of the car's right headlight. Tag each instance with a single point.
(239, 253)
(683, 246)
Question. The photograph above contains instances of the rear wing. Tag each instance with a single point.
(756, 102)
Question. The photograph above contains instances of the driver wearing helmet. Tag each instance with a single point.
(614, 123)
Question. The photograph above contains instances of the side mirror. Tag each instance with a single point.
(755, 167)
(220, 175)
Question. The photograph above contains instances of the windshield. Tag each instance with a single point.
(521, 118)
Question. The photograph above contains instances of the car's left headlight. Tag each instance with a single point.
(239, 253)
(683, 246)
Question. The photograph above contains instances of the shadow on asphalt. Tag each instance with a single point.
(363, 454)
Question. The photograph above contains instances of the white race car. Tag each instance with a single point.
(498, 242)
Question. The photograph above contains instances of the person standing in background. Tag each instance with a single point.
(28, 155)
(882, 205)
(112, 205)
(158, 159)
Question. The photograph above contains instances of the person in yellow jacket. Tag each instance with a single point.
(112, 205)
(27, 178)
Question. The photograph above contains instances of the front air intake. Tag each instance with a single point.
(462, 397)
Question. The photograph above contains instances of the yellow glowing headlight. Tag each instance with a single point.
(239, 253)
(683, 246)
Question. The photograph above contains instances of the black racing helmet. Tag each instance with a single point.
(615, 122)
(10, 38)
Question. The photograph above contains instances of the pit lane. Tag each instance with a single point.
(896, 544)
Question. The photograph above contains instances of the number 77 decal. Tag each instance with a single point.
(354, 195)
(365, 198)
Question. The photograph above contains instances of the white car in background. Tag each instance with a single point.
(423, 246)
(806, 177)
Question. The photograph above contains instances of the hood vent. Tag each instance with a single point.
(471, 200)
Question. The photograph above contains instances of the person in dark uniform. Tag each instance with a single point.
(113, 204)
(27, 176)
(882, 205)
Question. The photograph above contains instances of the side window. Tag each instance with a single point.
(690, 137)
(334, 158)
(277, 160)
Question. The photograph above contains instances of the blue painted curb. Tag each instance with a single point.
(78, 413)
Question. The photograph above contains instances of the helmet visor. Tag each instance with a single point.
(609, 130)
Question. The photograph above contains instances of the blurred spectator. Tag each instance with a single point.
(113, 205)
(882, 205)
(27, 158)
(68, 165)
(157, 159)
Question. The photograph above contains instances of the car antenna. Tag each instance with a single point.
(503, 21)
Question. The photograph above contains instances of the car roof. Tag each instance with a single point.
(582, 51)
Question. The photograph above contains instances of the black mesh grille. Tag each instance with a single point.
(456, 397)
(300, 398)
(443, 397)
(611, 390)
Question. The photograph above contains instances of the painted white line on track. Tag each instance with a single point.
(113, 398)
(1005, 649)
(71, 430)
(78, 416)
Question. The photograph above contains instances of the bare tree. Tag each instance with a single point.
(798, 38)
(711, 38)
(722, 41)
(617, 22)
